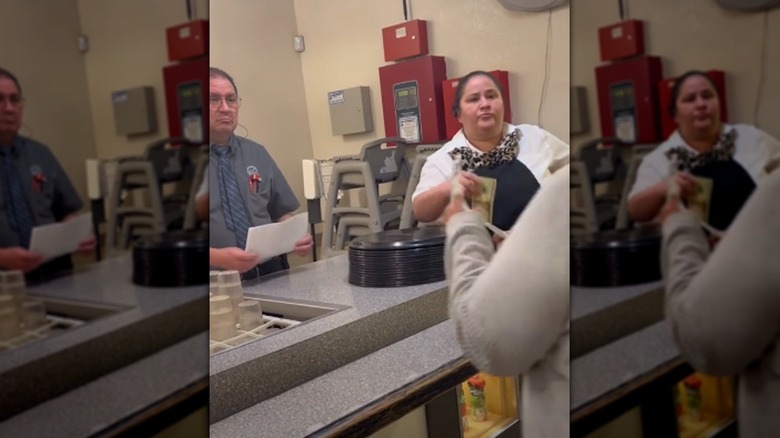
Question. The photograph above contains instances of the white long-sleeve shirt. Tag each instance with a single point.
(724, 307)
(511, 313)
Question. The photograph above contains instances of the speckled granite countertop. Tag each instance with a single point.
(243, 377)
(604, 315)
(603, 372)
(148, 321)
(317, 404)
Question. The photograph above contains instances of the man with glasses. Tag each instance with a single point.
(246, 187)
(34, 190)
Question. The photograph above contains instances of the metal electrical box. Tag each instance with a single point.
(668, 124)
(134, 111)
(621, 40)
(405, 40)
(448, 87)
(628, 99)
(186, 99)
(188, 40)
(412, 99)
(350, 111)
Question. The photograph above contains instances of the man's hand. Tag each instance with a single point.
(303, 246)
(234, 259)
(20, 258)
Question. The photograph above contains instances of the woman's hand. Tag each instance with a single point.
(470, 184)
(687, 184)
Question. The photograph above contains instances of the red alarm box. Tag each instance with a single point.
(411, 99)
(621, 40)
(668, 124)
(628, 100)
(405, 40)
(448, 87)
(188, 40)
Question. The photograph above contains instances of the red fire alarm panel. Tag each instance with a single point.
(188, 40)
(621, 40)
(405, 40)
(412, 99)
(186, 99)
(628, 99)
(668, 124)
(448, 97)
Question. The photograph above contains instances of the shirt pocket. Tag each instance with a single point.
(42, 200)
(259, 199)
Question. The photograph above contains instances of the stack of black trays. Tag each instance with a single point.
(171, 259)
(616, 258)
(397, 258)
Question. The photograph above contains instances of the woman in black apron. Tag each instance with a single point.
(708, 156)
(486, 150)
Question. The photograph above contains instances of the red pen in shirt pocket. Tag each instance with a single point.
(254, 182)
(38, 181)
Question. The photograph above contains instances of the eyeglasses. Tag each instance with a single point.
(231, 101)
(14, 100)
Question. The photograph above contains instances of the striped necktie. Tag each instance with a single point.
(16, 205)
(232, 204)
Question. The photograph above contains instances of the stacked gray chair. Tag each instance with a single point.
(407, 215)
(374, 166)
(201, 171)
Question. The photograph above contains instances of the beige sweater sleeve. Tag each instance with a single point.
(509, 311)
(724, 308)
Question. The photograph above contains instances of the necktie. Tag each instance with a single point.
(232, 205)
(17, 208)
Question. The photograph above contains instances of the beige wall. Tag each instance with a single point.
(45, 58)
(285, 93)
(692, 34)
(128, 49)
(252, 41)
(344, 49)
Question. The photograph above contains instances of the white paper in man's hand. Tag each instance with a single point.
(278, 238)
(54, 240)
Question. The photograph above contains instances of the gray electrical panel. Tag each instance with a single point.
(134, 111)
(578, 104)
(350, 111)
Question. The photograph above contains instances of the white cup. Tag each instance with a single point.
(221, 326)
(250, 316)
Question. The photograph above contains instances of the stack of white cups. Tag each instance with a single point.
(15, 311)
(228, 309)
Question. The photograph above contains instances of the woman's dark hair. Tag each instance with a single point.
(462, 84)
(7, 74)
(678, 84)
(219, 73)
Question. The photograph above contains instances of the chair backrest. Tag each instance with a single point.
(638, 153)
(386, 163)
(153, 213)
(582, 207)
(201, 172)
(407, 214)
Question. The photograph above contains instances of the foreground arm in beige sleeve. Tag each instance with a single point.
(724, 308)
(510, 311)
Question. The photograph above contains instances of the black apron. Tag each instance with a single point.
(731, 188)
(515, 186)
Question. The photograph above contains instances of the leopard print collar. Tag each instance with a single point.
(505, 152)
(687, 160)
